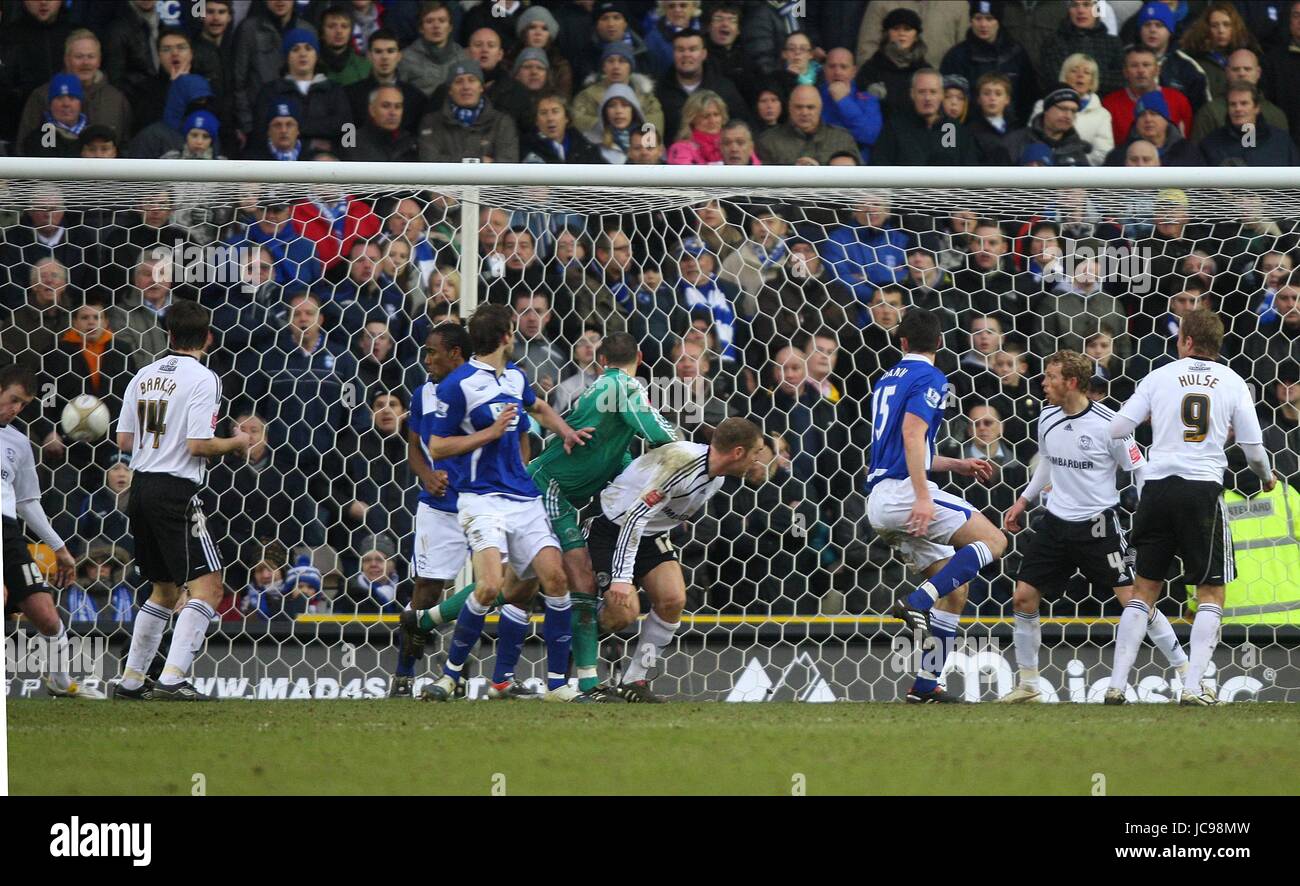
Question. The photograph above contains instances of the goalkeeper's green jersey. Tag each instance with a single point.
(616, 406)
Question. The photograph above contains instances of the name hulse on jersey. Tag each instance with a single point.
(1197, 380)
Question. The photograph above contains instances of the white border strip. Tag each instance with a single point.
(433, 175)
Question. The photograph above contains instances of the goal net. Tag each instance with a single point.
(773, 294)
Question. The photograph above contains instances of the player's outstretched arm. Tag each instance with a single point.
(1037, 483)
(648, 423)
(979, 468)
(548, 418)
(449, 447)
(217, 446)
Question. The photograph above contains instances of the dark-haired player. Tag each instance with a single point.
(168, 422)
(939, 534)
(616, 406)
(26, 590)
(476, 429)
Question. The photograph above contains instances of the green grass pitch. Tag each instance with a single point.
(411, 747)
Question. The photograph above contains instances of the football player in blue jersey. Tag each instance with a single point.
(476, 431)
(937, 533)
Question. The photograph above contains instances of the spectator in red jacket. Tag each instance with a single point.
(333, 221)
(1142, 75)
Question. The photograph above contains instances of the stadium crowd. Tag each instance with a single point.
(783, 313)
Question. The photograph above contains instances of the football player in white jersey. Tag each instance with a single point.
(629, 541)
(1195, 405)
(168, 422)
(1081, 529)
(26, 590)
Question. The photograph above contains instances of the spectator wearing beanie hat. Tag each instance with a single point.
(104, 104)
(197, 211)
(616, 66)
(943, 22)
(611, 24)
(1153, 122)
(888, 73)
(467, 125)
(1054, 129)
(1178, 70)
(1082, 30)
(325, 109)
(538, 29)
(987, 48)
(62, 123)
(259, 60)
(281, 138)
(1141, 76)
(532, 70)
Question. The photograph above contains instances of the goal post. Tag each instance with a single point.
(772, 293)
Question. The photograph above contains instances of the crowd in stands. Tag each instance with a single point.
(784, 313)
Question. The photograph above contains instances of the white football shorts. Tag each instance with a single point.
(518, 529)
(889, 506)
(440, 547)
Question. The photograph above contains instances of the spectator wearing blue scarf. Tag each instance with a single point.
(698, 287)
(63, 121)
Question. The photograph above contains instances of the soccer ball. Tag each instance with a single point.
(85, 418)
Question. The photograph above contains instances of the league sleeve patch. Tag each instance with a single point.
(653, 497)
(933, 398)
(1134, 454)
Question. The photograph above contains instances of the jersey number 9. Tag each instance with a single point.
(1196, 418)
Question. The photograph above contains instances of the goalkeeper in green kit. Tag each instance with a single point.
(616, 406)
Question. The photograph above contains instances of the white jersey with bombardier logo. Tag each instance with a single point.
(1083, 460)
(171, 401)
(655, 493)
(1193, 404)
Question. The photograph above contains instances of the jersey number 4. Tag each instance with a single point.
(1196, 418)
(151, 416)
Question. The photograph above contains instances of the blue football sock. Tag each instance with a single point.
(557, 628)
(964, 565)
(511, 629)
(469, 627)
(405, 663)
(943, 636)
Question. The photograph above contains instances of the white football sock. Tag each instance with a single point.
(1028, 638)
(1162, 635)
(150, 623)
(1205, 636)
(60, 655)
(650, 642)
(1128, 639)
(187, 639)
